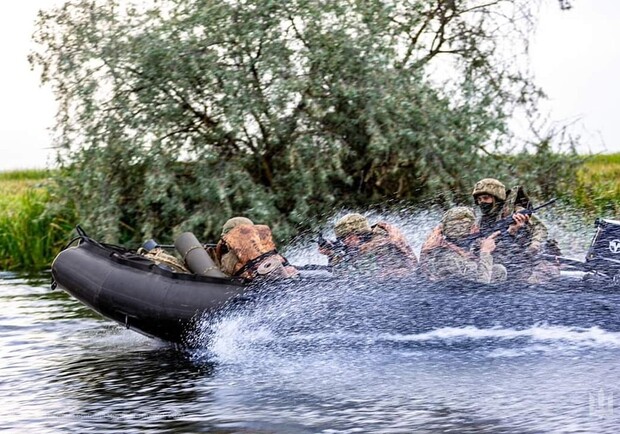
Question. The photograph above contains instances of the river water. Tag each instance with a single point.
(353, 357)
(345, 359)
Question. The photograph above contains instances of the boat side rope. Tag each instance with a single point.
(256, 261)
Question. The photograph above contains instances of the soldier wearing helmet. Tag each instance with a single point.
(525, 239)
(378, 249)
(247, 250)
(444, 256)
(490, 195)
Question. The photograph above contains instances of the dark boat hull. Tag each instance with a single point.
(137, 293)
(142, 296)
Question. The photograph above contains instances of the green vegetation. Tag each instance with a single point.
(33, 229)
(13, 184)
(22, 175)
(31, 233)
(175, 117)
(598, 186)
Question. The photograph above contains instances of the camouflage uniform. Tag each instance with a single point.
(247, 250)
(228, 261)
(516, 252)
(442, 258)
(380, 249)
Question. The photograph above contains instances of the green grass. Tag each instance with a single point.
(30, 232)
(13, 184)
(598, 186)
(24, 175)
(603, 159)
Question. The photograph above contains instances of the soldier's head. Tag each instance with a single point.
(352, 224)
(489, 194)
(234, 222)
(458, 222)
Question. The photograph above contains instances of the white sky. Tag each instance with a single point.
(574, 57)
(576, 60)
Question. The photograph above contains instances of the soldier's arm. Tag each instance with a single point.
(441, 264)
(484, 269)
(538, 235)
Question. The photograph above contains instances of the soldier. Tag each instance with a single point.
(444, 257)
(379, 249)
(525, 239)
(247, 250)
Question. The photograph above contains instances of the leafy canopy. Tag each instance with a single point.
(179, 115)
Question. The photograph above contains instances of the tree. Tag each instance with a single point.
(178, 116)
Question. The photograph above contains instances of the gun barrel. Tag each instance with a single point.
(544, 205)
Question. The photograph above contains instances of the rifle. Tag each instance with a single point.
(503, 224)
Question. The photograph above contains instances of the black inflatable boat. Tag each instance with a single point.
(143, 296)
(136, 292)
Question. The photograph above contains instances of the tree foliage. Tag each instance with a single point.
(177, 116)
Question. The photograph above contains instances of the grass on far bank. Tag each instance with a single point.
(598, 186)
(30, 235)
(24, 175)
(14, 183)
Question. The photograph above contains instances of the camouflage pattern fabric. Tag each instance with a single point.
(383, 251)
(159, 256)
(518, 253)
(490, 186)
(442, 259)
(352, 224)
(458, 222)
(234, 222)
(446, 262)
(245, 244)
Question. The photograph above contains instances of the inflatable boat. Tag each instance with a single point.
(152, 299)
(138, 293)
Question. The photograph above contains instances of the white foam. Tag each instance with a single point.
(232, 337)
(235, 340)
(593, 336)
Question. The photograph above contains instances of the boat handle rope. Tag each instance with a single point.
(251, 263)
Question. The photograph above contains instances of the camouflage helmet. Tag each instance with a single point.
(352, 224)
(234, 222)
(490, 186)
(458, 221)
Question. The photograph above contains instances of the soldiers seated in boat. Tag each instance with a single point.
(444, 254)
(380, 249)
(520, 248)
(247, 250)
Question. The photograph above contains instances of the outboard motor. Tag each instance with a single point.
(604, 252)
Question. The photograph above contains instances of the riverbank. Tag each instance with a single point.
(32, 229)
(598, 186)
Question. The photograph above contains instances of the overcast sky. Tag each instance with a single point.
(574, 57)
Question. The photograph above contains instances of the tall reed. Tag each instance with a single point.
(30, 233)
(598, 186)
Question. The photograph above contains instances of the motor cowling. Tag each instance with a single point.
(604, 252)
